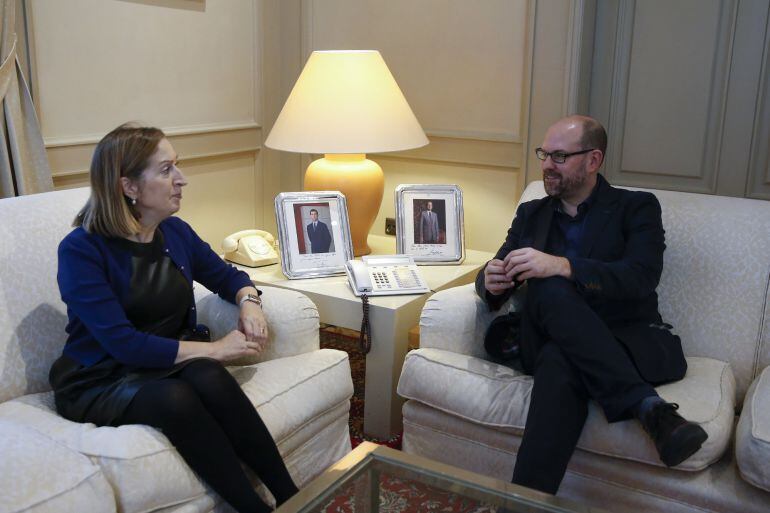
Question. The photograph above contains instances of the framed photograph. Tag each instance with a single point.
(314, 233)
(429, 223)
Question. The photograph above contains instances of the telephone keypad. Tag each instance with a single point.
(399, 278)
(406, 278)
(381, 280)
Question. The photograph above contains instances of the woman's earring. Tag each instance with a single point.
(133, 201)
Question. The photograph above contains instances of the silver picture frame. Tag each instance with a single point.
(429, 223)
(313, 251)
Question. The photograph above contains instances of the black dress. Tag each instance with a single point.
(158, 303)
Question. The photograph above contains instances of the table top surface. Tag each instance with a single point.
(436, 276)
(373, 477)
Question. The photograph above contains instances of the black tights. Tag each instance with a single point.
(207, 417)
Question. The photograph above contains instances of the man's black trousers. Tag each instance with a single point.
(576, 358)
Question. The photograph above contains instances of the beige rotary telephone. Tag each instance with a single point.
(252, 248)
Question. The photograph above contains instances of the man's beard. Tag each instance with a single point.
(563, 184)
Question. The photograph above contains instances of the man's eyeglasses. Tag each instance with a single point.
(558, 157)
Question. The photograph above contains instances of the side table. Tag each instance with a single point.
(391, 317)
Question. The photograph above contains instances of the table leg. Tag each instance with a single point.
(382, 406)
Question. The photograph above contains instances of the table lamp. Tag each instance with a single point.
(345, 104)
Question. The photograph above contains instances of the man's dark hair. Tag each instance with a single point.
(594, 136)
(314, 210)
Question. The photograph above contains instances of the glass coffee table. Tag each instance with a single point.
(374, 478)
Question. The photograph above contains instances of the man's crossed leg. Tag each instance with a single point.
(579, 360)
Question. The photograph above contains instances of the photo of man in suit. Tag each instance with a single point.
(591, 257)
(428, 225)
(318, 234)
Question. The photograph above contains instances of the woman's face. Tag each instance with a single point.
(159, 191)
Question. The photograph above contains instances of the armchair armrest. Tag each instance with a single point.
(456, 320)
(752, 435)
(292, 321)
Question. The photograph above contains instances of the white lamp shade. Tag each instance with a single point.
(346, 101)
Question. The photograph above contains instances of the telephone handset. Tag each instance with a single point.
(252, 248)
(378, 275)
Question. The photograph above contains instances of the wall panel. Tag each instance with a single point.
(759, 164)
(189, 67)
(459, 63)
(683, 90)
(669, 80)
(166, 63)
(671, 115)
(219, 198)
(462, 67)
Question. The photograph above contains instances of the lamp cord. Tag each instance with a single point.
(365, 339)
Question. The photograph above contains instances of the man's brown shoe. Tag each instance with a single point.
(675, 438)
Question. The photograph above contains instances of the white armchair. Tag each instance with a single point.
(51, 464)
(752, 435)
(468, 411)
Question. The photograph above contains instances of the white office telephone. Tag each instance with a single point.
(385, 275)
(252, 248)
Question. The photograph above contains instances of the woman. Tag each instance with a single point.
(125, 273)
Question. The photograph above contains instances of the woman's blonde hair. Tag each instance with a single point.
(124, 152)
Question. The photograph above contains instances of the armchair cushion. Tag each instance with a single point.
(291, 316)
(493, 395)
(285, 391)
(468, 387)
(39, 475)
(752, 439)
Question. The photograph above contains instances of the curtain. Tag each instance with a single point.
(24, 166)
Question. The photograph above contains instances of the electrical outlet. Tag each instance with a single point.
(390, 226)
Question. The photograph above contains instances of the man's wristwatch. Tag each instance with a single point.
(253, 298)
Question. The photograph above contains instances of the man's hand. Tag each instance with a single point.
(496, 280)
(525, 263)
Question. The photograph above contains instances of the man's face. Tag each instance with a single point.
(567, 179)
(429, 206)
(314, 216)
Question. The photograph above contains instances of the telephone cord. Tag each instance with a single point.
(366, 330)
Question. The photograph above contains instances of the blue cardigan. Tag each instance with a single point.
(94, 277)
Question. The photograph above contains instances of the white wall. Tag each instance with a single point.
(100, 63)
(190, 67)
(463, 69)
(215, 73)
(442, 53)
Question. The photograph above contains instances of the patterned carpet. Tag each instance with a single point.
(406, 496)
(397, 495)
(347, 340)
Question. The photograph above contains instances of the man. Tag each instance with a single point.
(318, 234)
(428, 225)
(591, 257)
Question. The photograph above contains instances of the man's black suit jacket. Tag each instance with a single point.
(320, 238)
(617, 269)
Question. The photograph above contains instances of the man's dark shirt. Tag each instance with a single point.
(566, 232)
